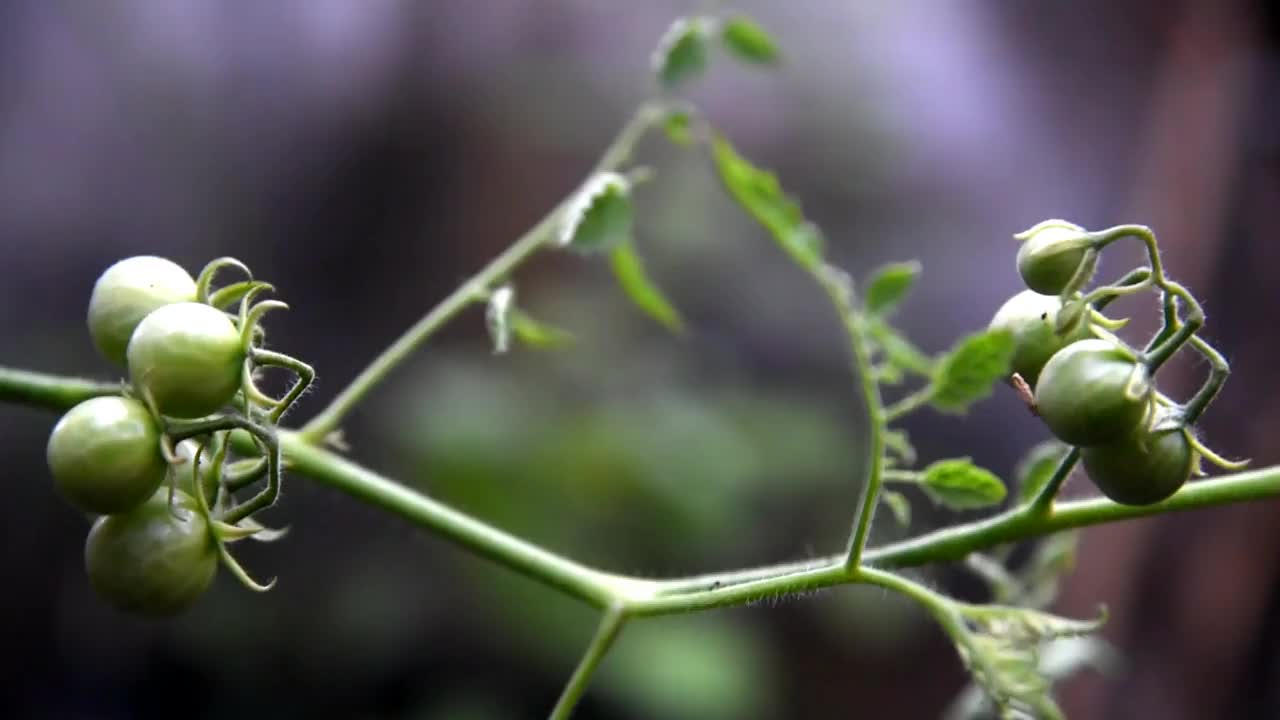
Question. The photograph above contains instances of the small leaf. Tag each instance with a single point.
(599, 217)
(679, 128)
(961, 485)
(1037, 467)
(759, 193)
(968, 372)
(537, 334)
(898, 443)
(899, 351)
(746, 39)
(498, 318)
(628, 268)
(898, 505)
(890, 286)
(681, 53)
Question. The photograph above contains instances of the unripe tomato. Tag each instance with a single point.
(1051, 256)
(104, 455)
(1093, 392)
(1030, 317)
(1143, 468)
(189, 357)
(127, 292)
(153, 560)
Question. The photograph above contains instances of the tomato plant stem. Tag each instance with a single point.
(476, 289)
(643, 597)
(610, 625)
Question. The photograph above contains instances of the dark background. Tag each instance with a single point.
(367, 157)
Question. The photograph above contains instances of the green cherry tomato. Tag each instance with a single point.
(127, 292)
(188, 357)
(1050, 257)
(1030, 316)
(1143, 468)
(153, 560)
(1093, 392)
(104, 455)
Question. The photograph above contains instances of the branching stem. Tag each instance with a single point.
(474, 290)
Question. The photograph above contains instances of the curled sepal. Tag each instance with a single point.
(248, 528)
(204, 282)
(1052, 223)
(249, 386)
(1203, 451)
(599, 217)
(251, 316)
(241, 574)
(224, 297)
(231, 533)
(1069, 318)
(498, 318)
(1097, 319)
(262, 533)
(304, 373)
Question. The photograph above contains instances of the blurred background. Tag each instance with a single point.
(367, 157)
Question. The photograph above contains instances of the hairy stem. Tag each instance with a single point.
(640, 596)
(840, 292)
(610, 625)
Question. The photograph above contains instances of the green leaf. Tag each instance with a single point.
(682, 52)
(759, 193)
(961, 485)
(679, 128)
(899, 505)
(746, 39)
(899, 444)
(898, 350)
(498, 318)
(628, 268)
(890, 286)
(600, 216)
(1001, 646)
(967, 373)
(1037, 467)
(537, 334)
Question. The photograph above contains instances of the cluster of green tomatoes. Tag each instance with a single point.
(1092, 390)
(153, 462)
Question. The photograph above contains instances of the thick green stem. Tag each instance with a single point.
(610, 625)
(597, 588)
(1043, 500)
(50, 391)
(657, 597)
